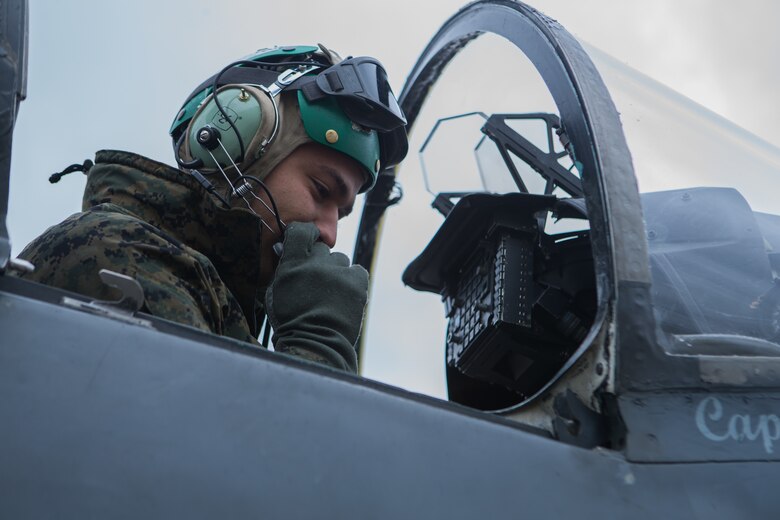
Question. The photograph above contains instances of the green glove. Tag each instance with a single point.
(316, 300)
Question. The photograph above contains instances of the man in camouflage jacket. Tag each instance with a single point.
(148, 220)
(207, 260)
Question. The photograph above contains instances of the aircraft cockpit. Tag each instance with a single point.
(493, 233)
(569, 240)
(514, 269)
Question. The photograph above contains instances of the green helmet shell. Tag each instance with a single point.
(326, 123)
(245, 112)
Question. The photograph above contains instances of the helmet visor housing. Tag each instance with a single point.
(360, 85)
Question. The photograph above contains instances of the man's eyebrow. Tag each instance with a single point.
(341, 186)
(334, 175)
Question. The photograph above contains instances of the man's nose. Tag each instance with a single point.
(328, 230)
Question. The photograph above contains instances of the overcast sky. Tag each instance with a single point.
(108, 74)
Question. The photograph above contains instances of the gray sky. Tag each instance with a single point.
(108, 74)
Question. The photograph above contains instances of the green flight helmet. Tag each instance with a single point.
(255, 121)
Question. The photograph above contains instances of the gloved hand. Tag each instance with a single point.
(316, 300)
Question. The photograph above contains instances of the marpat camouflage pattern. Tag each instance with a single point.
(197, 261)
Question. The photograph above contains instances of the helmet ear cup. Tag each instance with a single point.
(253, 115)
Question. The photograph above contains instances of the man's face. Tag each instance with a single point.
(312, 184)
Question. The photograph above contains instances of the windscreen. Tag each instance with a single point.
(712, 216)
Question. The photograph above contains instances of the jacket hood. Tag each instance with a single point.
(174, 202)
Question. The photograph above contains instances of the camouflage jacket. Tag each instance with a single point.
(197, 262)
